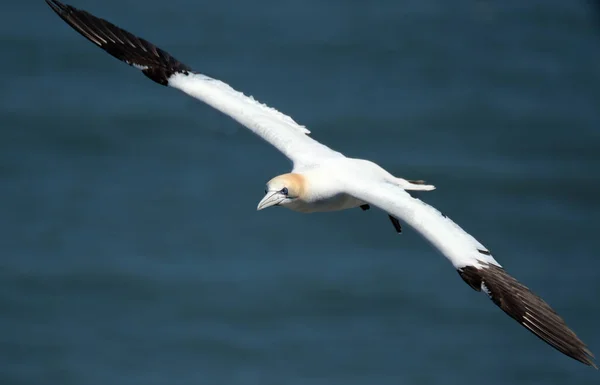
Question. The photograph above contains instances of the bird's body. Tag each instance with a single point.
(315, 189)
(323, 187)
(337, 202)
(322, 179)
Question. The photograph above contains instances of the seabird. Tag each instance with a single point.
(322, 179)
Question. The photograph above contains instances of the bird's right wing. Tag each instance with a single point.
(273, 126)
(475, 264)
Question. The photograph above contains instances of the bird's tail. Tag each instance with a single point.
(414, 185)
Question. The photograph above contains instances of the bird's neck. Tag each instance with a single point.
(317, 185)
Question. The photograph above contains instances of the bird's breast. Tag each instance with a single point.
(334, 203)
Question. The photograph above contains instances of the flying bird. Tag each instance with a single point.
(322, 179)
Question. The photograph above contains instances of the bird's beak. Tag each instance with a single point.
(271, 199)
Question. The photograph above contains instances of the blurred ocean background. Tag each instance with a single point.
(132, 252)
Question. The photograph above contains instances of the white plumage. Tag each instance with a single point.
(273, 126)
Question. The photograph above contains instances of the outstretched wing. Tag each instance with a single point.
(476, 266)
(273, 126)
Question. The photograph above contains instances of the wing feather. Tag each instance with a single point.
(476, 266)
(273, 126)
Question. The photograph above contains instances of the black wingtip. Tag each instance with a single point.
(528, 309)
(155, 63)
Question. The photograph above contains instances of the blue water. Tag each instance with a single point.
(132, 252)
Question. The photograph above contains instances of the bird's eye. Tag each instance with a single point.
(284, 191)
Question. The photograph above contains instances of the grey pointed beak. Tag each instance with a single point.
(271, 199)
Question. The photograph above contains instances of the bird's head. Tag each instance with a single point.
(282, 190)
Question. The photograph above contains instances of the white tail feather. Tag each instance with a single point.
(414, 185)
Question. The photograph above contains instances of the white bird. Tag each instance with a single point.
(325, 180)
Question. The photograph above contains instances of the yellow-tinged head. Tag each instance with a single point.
(282, 190)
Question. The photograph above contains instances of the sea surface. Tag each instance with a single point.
(131, 248)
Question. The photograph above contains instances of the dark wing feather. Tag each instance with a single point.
(155, 63)
(527, 308)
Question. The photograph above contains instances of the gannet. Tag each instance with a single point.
(322, 179)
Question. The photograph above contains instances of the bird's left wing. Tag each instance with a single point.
(475, 264)
(273, 126)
